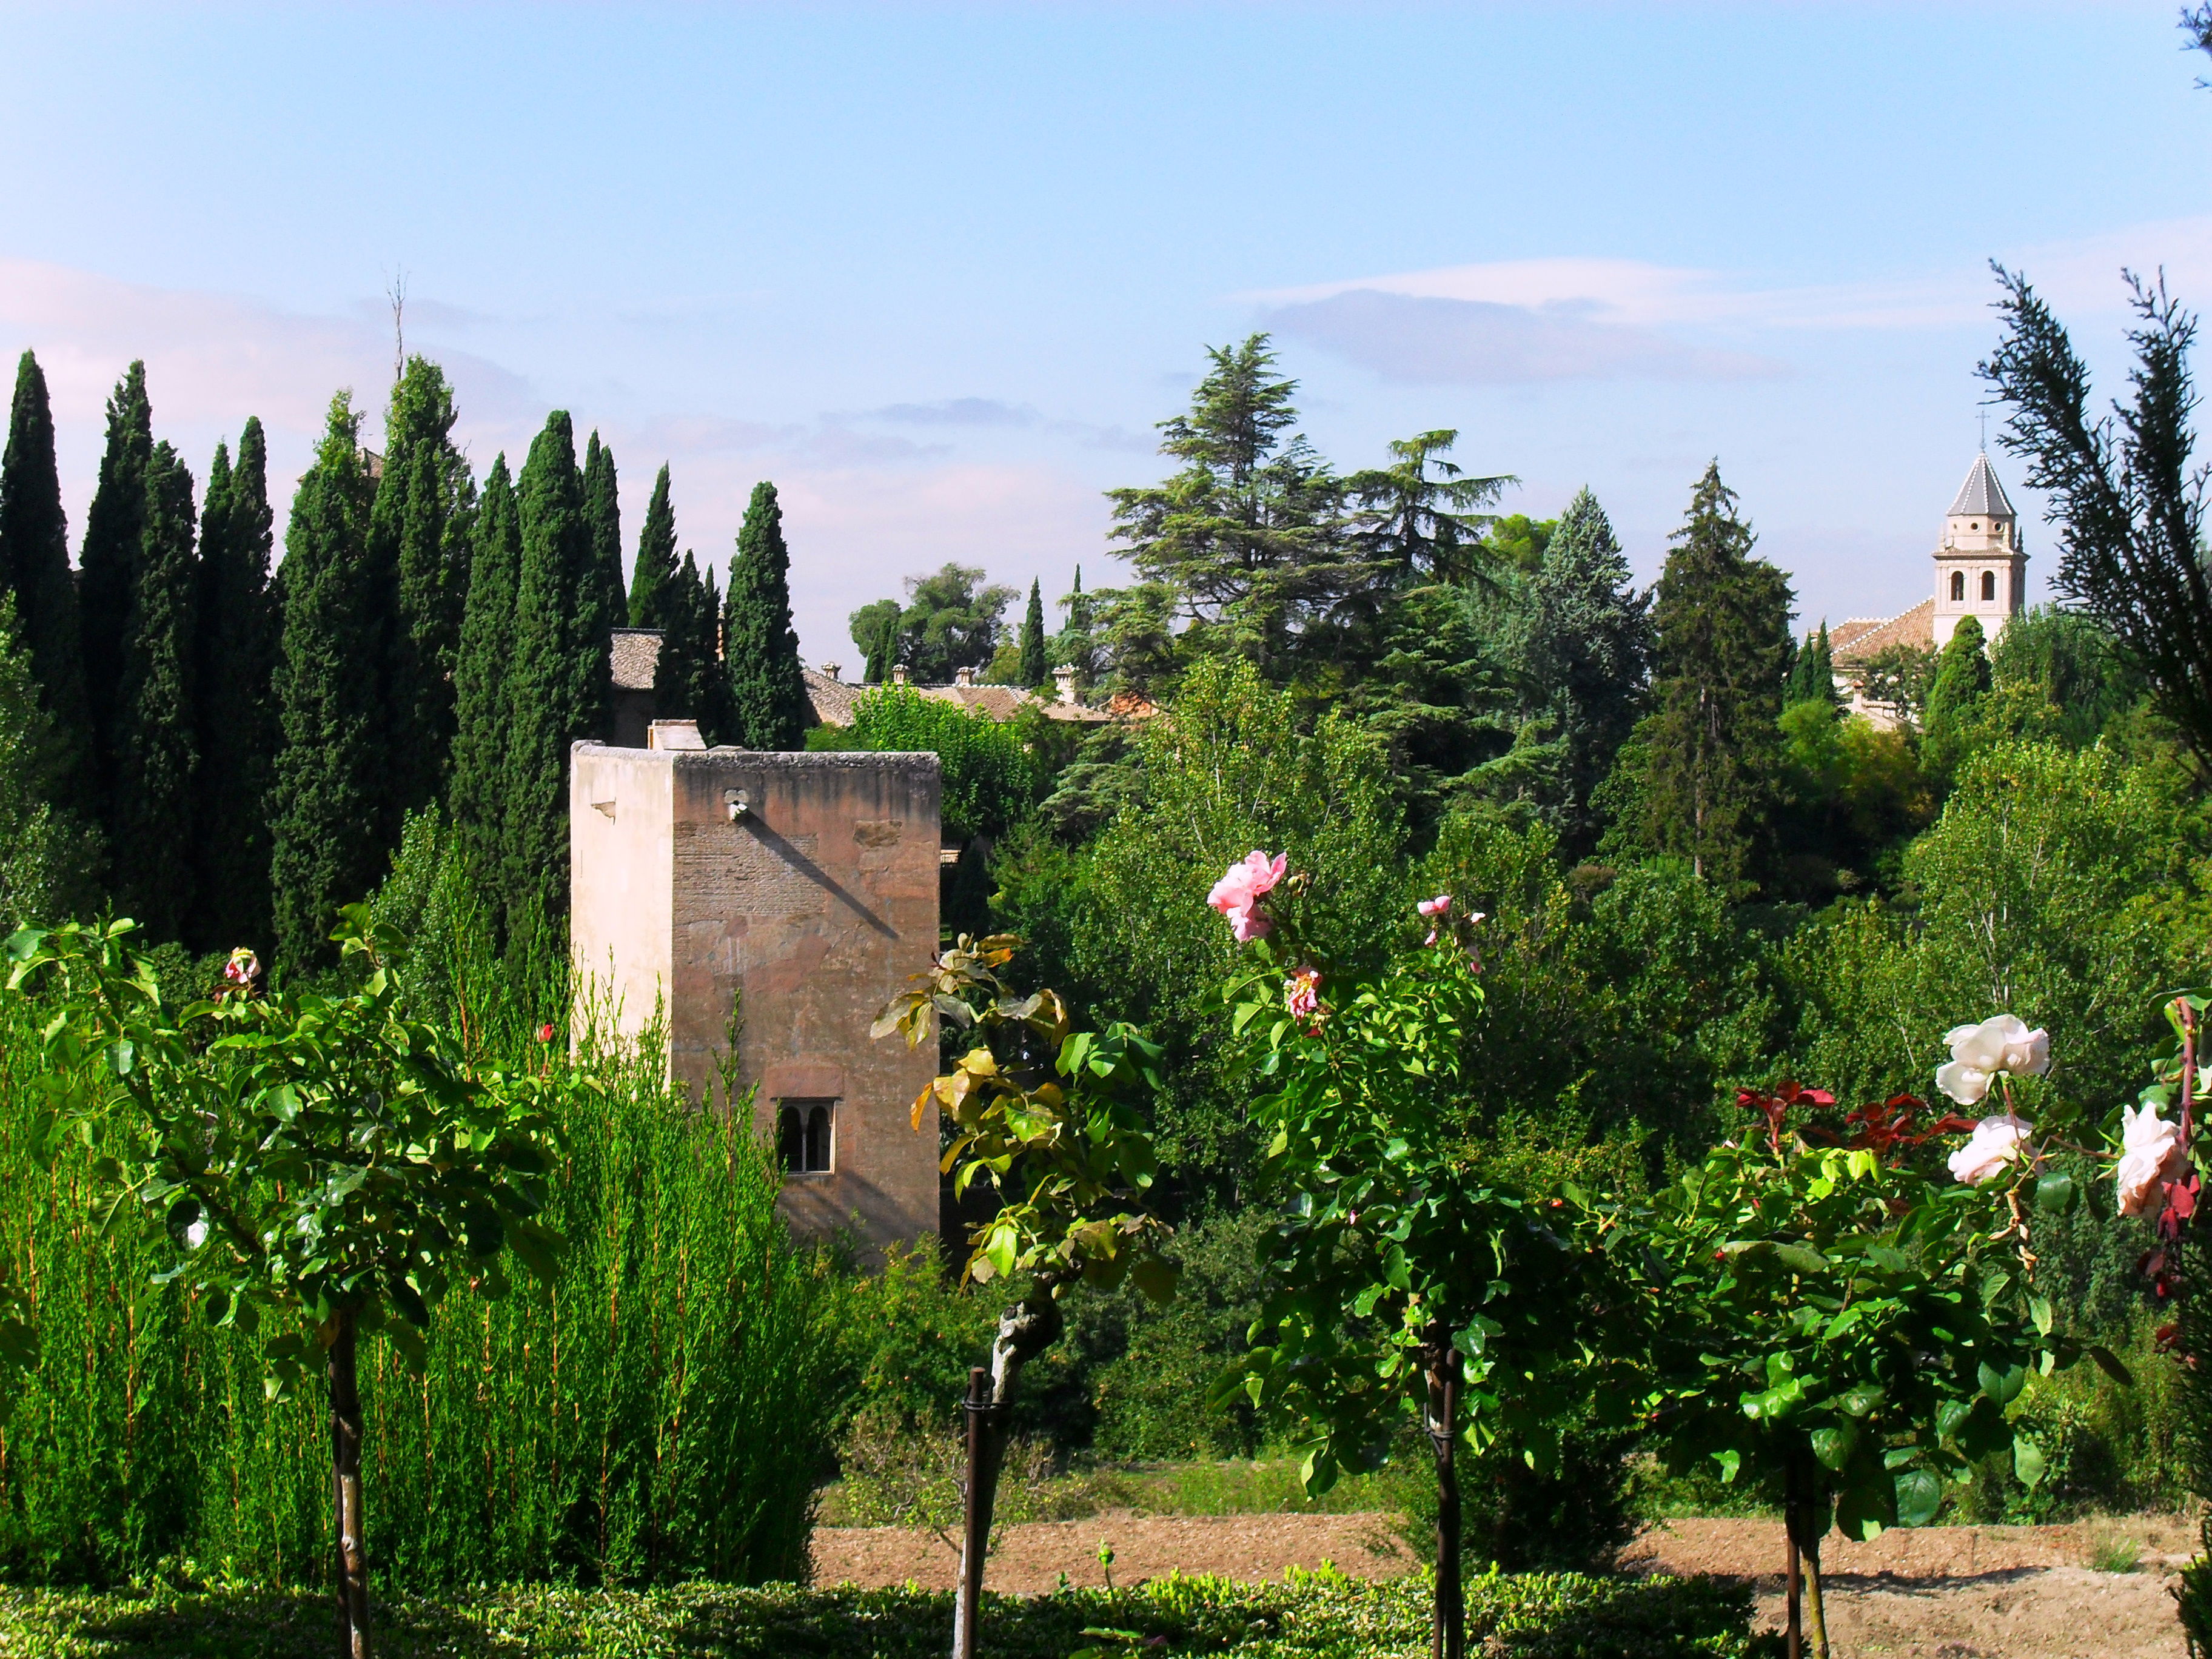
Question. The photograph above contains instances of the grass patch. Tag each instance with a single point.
(2115, 1551)
(1309, 1616)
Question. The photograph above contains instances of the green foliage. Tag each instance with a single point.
(1901, 676)
(603, 597)
(875, 631)
(689, 682)
(663, 1417)
(1813, 676)
(1521, 542)
(989, 783)
(1853, 794)
(1411, 526)
(1962, 681)
(155, 747)
(1709, 750)
(656, 559)
(419, 545)
(2070, 665)
(482, 696)
(950, 621)
(107, 572)
(35, 566)
(235, 722)
(1033, 670)
(330, 775)
(767, 696)
(47, 855)
(1309, 1616)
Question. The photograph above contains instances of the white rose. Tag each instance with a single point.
(1979, 1053)
(1996, 1142)
(2153, 1154)
(1965, 1084)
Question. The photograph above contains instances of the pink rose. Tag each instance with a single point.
(1238, 893)
(1996, 1142)
(1302, 997)
(2153, 1154)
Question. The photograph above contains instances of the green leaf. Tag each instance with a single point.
(2027, 1459)
(2111, 1364)
(1801, 1259)
(2054, 1193)
(1731, 1462)
(1868, 1507)
(1833, 1446)
(2002, 1387)
(1919, 1495)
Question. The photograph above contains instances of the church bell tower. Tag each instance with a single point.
(1980, 571)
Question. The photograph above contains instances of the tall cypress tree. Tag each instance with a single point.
(478, 792)
(107, 573)
(331, 773)
(1712, 747)
(687, 683)
(157, 742)
(1035, 670)
(656, 559)
(1962, 680)
(419, 546)
(35, 566)
(236, 718)
(1813, 674)
(603, 516)
(1589, 657)
(551, 697)
(768, 695)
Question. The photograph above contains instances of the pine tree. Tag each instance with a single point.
(478, 792)
(656, 559)
(236, 720)
(760, 650)
(107, 573)
(1588, 660)
(603, 515)
(1813, 674)
(331, 773)
(552, 697)
(1712, 746)
(419, 549)
(1036, 670)
(156, 740)
(35, 566)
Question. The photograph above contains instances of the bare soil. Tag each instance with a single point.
(1937, 1593)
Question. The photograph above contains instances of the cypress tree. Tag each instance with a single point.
(35, 566)
(1074, 647)
(1813, 674)
(45, 856)
(419, 549)
(107, 573)
(331, 773)
(1962, 679)
(687, 681)
(1588, 655)
(603, 515)
(1713, 747)
(656, 559)
(236, 718)
(157, 742)
(480, 676)
(1035, 670)
(551, 697)
(767, 696)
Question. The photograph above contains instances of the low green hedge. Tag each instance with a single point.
(1311, 1616)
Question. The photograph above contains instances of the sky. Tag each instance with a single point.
(938, 270)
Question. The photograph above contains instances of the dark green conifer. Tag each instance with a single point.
(236, 724)
(1962, 680)
(35, 566)
(107, 572)
(331, 773)
(768, 695)
(656, 559)
(1712, 746)
(419, 547)
(1813, 674)
(480, 678)
(554, 696)
(687, 683)
(603, 516)
(156, 742)
(1035, 670)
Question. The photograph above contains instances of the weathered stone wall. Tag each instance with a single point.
(801, 917)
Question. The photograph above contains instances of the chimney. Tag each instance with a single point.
(964, 677)
(834, 670)
(1064, 677)
(898, 675)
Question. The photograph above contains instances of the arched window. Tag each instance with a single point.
(1958, 585)
(805, 1141)
(1989, 584)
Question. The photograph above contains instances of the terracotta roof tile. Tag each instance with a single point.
(1858, 639)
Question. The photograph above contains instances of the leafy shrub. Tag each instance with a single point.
(1319, 1615)
(990, 783)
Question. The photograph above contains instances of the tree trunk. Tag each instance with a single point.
(1447, 1627)
(1026, 1330)
(1805, 1510)
(1793, 1623)
(352, 1563)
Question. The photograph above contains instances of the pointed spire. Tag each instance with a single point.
(1982, 496)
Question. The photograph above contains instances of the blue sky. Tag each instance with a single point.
(936, 270)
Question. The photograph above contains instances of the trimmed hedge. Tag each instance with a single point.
(1309, 1616)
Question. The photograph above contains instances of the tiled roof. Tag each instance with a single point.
(1982, 496)
(636, 654)
(1862, 637)
(998, 702)
(832, 700)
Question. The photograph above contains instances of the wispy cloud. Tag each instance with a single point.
(958, 411)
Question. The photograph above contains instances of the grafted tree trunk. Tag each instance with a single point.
(1026, 1330)
(346, 1514)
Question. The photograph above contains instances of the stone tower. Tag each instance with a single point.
(768, 906)
(1980, 571)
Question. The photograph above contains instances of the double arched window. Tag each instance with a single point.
(806, 1136)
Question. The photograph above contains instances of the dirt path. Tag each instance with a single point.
(1942, 1593)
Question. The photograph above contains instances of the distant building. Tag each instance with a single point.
(1980, 572)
